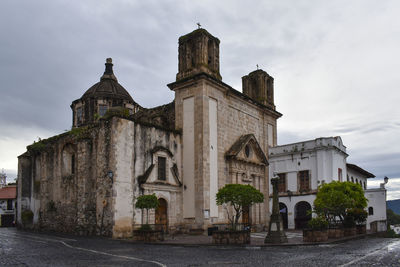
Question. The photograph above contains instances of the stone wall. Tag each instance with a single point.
(237, 116)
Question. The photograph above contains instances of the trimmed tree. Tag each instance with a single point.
(238, 196)
(147, 202)
(336, 199)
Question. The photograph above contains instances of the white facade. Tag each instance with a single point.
(303, 166)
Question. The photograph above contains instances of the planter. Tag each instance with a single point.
(148, 235)
(361, 229)
(350, 231)
(231, 237)
(335, 233)
(315, 235)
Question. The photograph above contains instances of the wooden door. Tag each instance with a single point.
(162, 215)
(246, 216)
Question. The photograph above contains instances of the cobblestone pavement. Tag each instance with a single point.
(18, 248)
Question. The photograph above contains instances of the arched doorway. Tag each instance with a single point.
(162, 215)
(284, 214)
(302, 214)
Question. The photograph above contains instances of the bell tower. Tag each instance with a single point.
(198, 53)
(259, 86)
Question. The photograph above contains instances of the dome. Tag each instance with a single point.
(108, 87)
(101, 97)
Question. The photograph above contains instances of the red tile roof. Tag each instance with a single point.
(9, 192)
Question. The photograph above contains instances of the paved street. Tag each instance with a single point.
(18, 248)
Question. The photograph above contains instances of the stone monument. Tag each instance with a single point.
(275, 229)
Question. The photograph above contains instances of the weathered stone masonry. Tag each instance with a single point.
(86, 181)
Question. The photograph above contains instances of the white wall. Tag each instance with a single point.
(291, 203)
(188, 158)
(213, 114)
(376, 200)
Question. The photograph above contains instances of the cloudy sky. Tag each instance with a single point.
(335, 63)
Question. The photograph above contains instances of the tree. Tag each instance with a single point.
(147, 202)
(335, 199)
(392, 218)
(238, 196)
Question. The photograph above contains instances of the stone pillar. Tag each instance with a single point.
(275, 229)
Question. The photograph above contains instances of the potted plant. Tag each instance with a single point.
(317, 230)
(145, 232)
(237, 196)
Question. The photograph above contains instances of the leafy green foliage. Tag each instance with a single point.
(145, 227)
(147, 202)
(27, 216)
(359, 215)
(392, 218)
(318, 223)
(37, 147)
(51, 206)
(238, 196)
(335, 199)
(116, 111)
(390, 233)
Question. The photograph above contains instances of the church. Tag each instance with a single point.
(86, 181)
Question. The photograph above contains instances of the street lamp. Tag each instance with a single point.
(386, 180)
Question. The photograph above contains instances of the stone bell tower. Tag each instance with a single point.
(198, 53)
(259, 86)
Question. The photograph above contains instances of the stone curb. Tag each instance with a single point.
(335, 241)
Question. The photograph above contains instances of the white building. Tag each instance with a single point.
(303, 166)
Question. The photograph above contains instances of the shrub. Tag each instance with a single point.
(359, 215)
(318, 223)
(145, 227)
(349, 221)
(335, 199)
(27, 216)
(51, 206)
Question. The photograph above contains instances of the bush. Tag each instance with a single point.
(349, 221)
(145, 227)
(359, 215)
(390, 233)
(51, 206)
(27, 216)
(318, 223)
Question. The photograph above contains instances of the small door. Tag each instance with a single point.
(162, 215)
(284, 214)
(302, 214)
(246, 216)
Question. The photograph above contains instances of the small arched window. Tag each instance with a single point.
(370, 211)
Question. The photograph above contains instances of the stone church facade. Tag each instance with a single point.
(87, 180)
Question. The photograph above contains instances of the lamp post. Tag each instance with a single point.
(385, 181)
(275, 229)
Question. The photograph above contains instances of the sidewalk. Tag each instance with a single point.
(295, 238)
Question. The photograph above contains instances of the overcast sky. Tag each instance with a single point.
(335, 64)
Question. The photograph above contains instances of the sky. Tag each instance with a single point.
(335, 66)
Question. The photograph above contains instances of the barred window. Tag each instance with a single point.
(102, 110)
(304, 180)
(162, 169)
(282, 183)
(79, 117)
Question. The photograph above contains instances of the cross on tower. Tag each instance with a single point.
(198, 25)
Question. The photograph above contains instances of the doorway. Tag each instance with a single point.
(284, 214)
(162, 215)
(302, 214)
